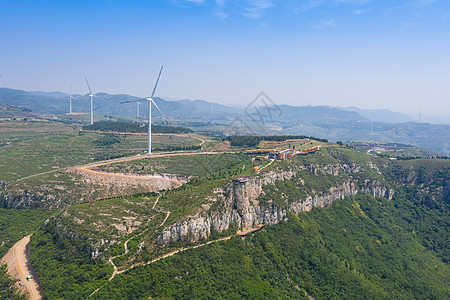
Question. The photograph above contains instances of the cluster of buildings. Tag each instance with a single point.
(279, 153)
(283, 154)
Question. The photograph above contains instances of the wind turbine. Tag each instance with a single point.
(70, 100)
(91, 96)
(150, 101)
(137, 112)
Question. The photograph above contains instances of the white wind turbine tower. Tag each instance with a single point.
(70, 100)
(150, 101)
(137, 111)
(91, 96)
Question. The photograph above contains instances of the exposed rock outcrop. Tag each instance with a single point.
(244, 210)
(325, 200)
(23, 198)
(333, 169)
(86, 186)
(123, 184)
(377, 189)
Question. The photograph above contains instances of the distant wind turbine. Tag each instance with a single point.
(70, 100)
(150, 101)
(91, 96)
(137, 111)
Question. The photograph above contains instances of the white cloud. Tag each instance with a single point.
(330, 23)
(424, 2)
(307, 6)
(257, 8)
(221, 14)
(196, 1)
(220, 4)
(356, 2)
(359, 11)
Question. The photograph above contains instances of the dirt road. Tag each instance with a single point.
(19, 267)
(90, 169)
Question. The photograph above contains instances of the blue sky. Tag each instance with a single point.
(370, 54)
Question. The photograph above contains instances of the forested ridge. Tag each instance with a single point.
(254, 140)
(359, 248)
(133, 127)
(8, 290)
(14, 225)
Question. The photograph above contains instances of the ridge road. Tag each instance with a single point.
(19, 266)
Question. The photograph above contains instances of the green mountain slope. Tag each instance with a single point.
(384, 234)
(352, 250)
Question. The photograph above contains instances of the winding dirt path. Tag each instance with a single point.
(125, 245)
(241, 233)
(89, 168)
(19, 266)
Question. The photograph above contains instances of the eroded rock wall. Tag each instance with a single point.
(244, 210)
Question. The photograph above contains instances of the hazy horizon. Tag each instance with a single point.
(336, 53)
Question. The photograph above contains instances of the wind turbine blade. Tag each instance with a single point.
(156, 84)
(160, 112)
(85, 106)
(89, 87)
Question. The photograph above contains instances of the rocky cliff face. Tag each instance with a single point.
(333, 169)
(24, 198)
(86, 186)
(377, 189)
(243, 209)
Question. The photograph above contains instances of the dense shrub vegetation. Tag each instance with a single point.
(17, 223)
(7, 288)
(65, 268)
(251, 141)
(134, 127)
(14, 225)
(108, 140)
(361, 247)
(356, 249)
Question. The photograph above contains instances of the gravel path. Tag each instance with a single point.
(19, 266)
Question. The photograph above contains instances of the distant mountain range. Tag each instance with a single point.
(381, 115)
(334, 123)
(58, 103)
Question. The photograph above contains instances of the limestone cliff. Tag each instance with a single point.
(243, 209)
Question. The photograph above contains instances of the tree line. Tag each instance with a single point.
(134, 127)
(251, 141)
